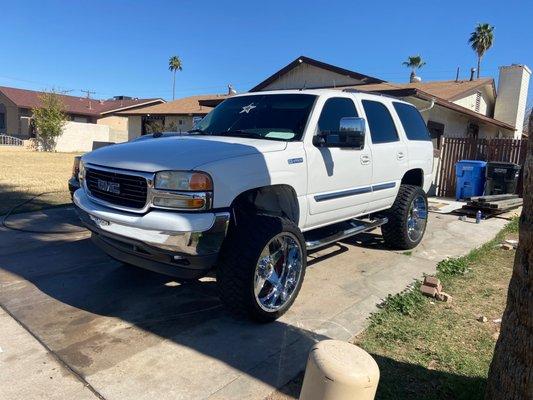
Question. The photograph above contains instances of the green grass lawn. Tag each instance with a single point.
(433, 350)
(428, 349)
(25, 174)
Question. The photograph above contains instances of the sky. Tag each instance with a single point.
(117, 47)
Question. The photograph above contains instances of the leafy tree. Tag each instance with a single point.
(481, 40)
(174, 64)
(415, 63)
(510, 374)
(49, 119)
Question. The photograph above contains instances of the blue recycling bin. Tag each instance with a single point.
(470, 176)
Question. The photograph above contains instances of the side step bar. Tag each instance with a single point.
(321, 237)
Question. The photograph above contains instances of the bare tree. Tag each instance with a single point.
(511, 370)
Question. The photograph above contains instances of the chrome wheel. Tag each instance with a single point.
(416, 219)
(278, 272)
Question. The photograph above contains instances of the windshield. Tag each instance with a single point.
(272, 117)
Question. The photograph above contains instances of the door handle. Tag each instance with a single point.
(365, 159)
(400, 155)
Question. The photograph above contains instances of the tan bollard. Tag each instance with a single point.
(339, 370)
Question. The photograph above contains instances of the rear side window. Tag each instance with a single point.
(413, 124)
(382, 128)
(334, 109)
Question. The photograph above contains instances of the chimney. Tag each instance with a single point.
(472, 73)
(511, 99)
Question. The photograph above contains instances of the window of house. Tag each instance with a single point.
(436, 131)
(382, 128)
(334, 109)
(2, 121)
(180, 122)
(413, 123)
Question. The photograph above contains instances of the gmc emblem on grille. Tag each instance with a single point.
(111, 187)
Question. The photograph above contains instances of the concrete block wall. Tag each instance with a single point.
(79, 136)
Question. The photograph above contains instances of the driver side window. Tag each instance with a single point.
(334, 109)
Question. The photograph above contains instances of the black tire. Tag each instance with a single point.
(238, 260)
(395, 231)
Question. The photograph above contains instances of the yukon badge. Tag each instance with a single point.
(295, 160)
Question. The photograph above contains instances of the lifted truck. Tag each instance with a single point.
(263, 178)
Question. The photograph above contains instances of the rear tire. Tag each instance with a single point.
(407, 219)
(247, 263)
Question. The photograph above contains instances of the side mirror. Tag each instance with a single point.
(351, 134)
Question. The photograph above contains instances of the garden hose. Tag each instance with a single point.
(7, 226)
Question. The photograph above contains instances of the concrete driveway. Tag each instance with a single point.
(77, 324)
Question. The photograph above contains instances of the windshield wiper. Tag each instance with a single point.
(241, 133)
(198, 131)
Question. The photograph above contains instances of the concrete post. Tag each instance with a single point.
(338, 370)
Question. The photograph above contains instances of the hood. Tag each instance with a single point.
(178, 153)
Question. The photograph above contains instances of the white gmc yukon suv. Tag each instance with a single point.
(264, 178)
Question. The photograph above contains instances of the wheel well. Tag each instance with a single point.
(276, 200)
(414, 177)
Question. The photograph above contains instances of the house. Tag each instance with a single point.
(453, 108)
(16, 105)
(177, 115)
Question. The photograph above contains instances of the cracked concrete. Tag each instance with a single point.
(126, 333)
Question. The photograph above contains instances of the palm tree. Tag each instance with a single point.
(481, 40)
(174, 64)
(414, 62)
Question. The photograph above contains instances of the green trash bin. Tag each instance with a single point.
(502, 178)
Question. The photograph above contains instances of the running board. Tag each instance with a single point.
(321, 237)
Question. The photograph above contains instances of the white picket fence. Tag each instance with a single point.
(6, 140)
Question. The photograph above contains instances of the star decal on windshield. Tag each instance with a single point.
(248, 108)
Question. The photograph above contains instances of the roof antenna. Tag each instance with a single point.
(457, 75)
(88, 92)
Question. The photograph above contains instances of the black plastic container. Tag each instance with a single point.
(502, 177)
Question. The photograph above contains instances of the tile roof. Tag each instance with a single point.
(186, 105)
(73, 105)
(447, 90)
(393, 90)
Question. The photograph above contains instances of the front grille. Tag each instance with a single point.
(120, 189)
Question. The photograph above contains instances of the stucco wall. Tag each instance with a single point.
(186, 121)
(79, 137)
(11, 116)
(456, 124)
(485, 103)
(134, 126)
(115, 122)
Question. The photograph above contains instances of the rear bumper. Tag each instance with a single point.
(177, 244)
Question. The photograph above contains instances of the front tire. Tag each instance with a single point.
(261, 267)
(407, 218)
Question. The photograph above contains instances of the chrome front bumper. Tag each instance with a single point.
(172, 240)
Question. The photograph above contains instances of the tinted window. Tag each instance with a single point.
(380, 122)
(413, 124)
(273, 117)
(335, 109)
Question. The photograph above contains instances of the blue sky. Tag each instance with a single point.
(122, 47)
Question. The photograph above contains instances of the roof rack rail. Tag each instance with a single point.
(351, 90)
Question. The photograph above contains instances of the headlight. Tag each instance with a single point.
(182, 190)
(183, 181)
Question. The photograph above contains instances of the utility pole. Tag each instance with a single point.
(88, 92)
